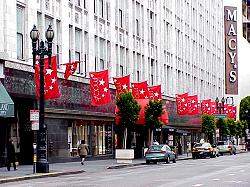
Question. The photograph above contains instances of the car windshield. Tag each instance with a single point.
(155, 148)
(201, 145)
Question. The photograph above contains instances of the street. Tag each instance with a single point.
(222, 171)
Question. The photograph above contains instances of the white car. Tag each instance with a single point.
(226, 147)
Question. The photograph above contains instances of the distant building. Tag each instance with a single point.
(178, 44)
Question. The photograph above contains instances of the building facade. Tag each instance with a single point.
(178, 44)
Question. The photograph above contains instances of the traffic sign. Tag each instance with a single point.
(220, 115)
(34, 115)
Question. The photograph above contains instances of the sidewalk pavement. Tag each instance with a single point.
(25, 172)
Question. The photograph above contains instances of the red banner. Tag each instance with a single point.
(122, 84)
(140, 90)
(155, 92)
(70, 69)
(182, 104)
(99, 87)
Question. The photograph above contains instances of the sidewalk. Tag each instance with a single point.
(25, 172)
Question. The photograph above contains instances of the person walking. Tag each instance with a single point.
(83, 150)
(11, 155)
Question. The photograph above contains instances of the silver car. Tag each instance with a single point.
(226, 147)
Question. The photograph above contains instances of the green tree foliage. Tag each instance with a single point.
(128, 112)
(223, 127)
(128, 109)
(245, 110)
(240, 128)
(153, 111)
(232, 127)
(208, 126)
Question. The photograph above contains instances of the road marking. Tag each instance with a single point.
(198, 184)
(242, 170)
(231, 174)
(215, 179)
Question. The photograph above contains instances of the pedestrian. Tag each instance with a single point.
(83, 151)
(155, 142)
(11, 155)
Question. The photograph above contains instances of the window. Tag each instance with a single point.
(78, 42)
(120, 17)
(101, 8)
(121, 70)
(20, 32)
(70, 42)
(94, 6)
(151, 34)
(138, 75)
(137, 27)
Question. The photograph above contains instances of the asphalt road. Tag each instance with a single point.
(223, 171)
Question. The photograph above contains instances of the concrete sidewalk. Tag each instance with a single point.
(25, 172)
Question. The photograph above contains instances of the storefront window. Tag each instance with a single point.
(98, 136)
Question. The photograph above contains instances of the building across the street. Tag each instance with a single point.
(178, 44)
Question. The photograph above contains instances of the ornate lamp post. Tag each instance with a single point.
(38, 49)
(220, 105)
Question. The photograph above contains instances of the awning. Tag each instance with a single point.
(6, 103)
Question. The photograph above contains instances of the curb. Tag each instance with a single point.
(137, 164)
(36, 176)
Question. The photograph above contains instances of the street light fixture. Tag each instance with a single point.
(220, 105)
(40, 50)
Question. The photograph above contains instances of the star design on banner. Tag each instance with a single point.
(235, 66)
(124, 87)
(51, 87)
(142, 91)
(49, 71)
(103, 95)
(156, 94)
(182, 100)
(105, 89)
(53, 80)
(91, 75)
(102, 82)
(193, 101)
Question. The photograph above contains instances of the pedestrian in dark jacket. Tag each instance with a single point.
(11, 155)
(83, 150)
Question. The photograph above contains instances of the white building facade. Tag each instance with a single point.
(176, 43)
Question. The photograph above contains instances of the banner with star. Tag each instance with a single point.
(140, 90)
(182, 104)
(70, 69)
(51, 90)
(155, 92)
(122, 84)
(193, 105)
(99, 88)
(206, 106)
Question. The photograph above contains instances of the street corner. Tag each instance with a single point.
(38, 175)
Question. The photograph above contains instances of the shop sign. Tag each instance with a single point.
(231, 53)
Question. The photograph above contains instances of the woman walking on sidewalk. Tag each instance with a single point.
(83, 151)
(11, 157)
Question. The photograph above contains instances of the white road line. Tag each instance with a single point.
(198, 185)
(231, 174)
(215, 179)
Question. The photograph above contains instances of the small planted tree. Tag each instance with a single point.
(153, 112)
(232, 127)
(208, 127)
(223, 128)
(128, 112)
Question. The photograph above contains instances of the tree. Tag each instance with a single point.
(128, 112)
(245, 110)
(153, 111)
(232, 127)
(240, 128)
(208, 127)
(223, 128)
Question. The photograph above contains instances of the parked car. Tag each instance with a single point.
(226, 147)
(203, 150)
(160, 153)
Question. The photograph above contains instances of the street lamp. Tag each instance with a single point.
(220, 105)
(40, 50)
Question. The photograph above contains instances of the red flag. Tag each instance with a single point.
(213, 108)
(234, 112)
(206, 106)
(230, 111)
(140, 90)
(193, 105)
(225, 109)
(51, 90)
(99, 87)
(154, 92)
(122, 84)
(182, 103)
(70, 69)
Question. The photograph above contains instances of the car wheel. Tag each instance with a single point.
(155, 162)
(221, 154)
(167, 160)
(230, 152)
(147, 162)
